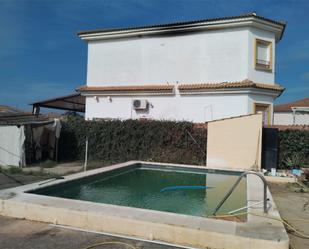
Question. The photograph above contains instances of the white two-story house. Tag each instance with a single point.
(195, 71)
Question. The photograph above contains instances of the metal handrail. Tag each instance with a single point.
(236, 184)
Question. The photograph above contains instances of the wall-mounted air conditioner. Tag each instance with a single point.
(139, 104)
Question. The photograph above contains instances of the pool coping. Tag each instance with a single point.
(199, 232)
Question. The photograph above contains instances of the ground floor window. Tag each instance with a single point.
(264, 109)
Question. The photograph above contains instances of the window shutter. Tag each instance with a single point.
(263, 52)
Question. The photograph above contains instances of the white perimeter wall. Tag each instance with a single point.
(12, 140)
(235, 143)
(196, 108)
(286, 118)
(211, 56)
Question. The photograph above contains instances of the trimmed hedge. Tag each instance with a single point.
(161, 141)
(293, 143)
(119, 141)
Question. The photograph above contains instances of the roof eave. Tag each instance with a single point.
(135, 90)
(241, 90)
(252, 21)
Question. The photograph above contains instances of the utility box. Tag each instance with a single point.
(270, 148)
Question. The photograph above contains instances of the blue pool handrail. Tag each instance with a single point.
(183, 187)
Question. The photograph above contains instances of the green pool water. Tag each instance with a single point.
(140, 187)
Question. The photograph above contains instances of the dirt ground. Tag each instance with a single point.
(15, 233)
(293, 207)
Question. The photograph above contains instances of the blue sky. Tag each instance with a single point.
(41, 56)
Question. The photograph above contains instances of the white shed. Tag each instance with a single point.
(25, 137)
(292, 113)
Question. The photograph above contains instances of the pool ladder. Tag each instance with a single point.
(236, 184)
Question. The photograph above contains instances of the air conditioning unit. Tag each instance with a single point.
(140, 104)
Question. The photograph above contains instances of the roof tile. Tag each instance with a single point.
(287, 106)
(226, 85)
(129, 88)
(183, 87)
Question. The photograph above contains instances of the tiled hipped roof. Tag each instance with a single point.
(288, 106)
(229, 85)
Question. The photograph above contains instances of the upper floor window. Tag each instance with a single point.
(263, 55)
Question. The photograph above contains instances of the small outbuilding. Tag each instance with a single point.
(292, 113)
(26, 138)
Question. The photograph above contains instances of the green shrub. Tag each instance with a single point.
(162, 141)
(296, 160)
(118, 141)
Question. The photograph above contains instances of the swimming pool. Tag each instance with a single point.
(127, 199)
(143, 185)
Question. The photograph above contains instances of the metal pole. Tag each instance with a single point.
(86, 155)
(199, 146)
(56, 151)
(265, 193)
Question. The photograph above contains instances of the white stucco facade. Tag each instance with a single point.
(211, 54)
(203, 57)
(287, 118)
(197, 108)
(185, 107)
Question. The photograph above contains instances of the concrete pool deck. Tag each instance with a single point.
(258, 232)
(25, 234)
